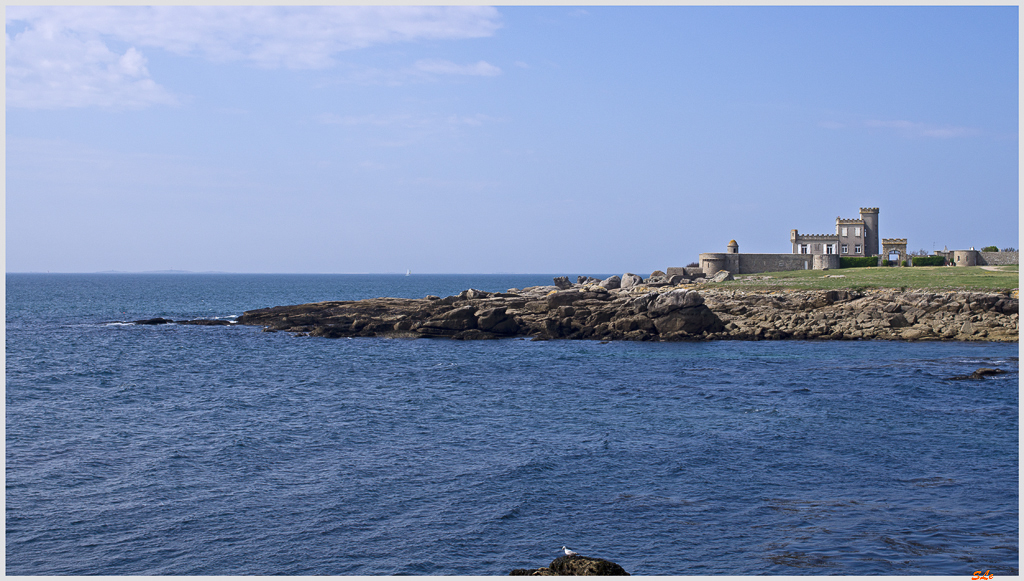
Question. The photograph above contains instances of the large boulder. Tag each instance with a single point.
(665, 303)
(611, 283)
(575, 565)
(630, 280)
(633, 323)
(568, 297)
(580, 565)
(496, 321)
(641, 303)
(454, 320)
(562, 282)
(688, 321)
(473, 293)
(721, 276)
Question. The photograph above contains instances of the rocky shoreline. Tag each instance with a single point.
(658, 309)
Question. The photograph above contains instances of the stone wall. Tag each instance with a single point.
(754, 263)
(999, 258)
(687, 271)
(825, 262)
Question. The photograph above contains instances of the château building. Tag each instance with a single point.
(853, 237)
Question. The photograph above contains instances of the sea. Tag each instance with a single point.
(191, 450)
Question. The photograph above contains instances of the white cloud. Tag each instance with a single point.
(923, 129)
(59, 56)
(49, 69)
(441, 67)
(474, 120)
(405, 120)
(421, 71)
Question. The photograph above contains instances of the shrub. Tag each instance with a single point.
(929, 260)
(692, 265)
(1010, 249)
(990, 249)
(903, 263)
(857, 261)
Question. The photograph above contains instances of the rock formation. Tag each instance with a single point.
(575, 565)
(649, 310)
(979, 374)
(162, 321)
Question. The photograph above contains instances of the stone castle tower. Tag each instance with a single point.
(870, 218)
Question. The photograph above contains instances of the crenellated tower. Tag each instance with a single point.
(870, 217)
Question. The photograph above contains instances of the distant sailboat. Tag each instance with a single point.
(408, 272)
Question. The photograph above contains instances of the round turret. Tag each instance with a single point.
(732, 248)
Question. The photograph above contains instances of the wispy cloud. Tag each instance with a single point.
(831, 125)
(59, 56)
(904, 127)
(922, 129)
(441, 67)
(405, 120)
(402, 120)
(421, 71)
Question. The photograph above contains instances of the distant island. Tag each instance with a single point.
(161, 272)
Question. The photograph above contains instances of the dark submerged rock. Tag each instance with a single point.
(156, 321)
(208, 322)
(979, 374)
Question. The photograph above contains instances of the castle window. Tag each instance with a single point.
(844, 232)
(803, 249)
(830, 249)
(856, 231)
(856, 248)
(846, 248)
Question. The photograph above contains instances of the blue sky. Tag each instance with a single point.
(516, 139)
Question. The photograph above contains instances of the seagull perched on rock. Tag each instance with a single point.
(568, 552)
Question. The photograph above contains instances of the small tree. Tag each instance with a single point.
(990, 249)
(1009, 249)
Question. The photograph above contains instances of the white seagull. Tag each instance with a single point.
(567, 551)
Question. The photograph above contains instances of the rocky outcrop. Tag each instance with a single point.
(162, 321)
(583, 311)
(575, 565)
(869, 314)
(979, 374)
(643, 312)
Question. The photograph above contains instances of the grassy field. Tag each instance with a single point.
(934, 278)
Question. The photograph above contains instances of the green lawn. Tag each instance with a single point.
(919, 277)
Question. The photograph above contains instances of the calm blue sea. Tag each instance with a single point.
(223, 450)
